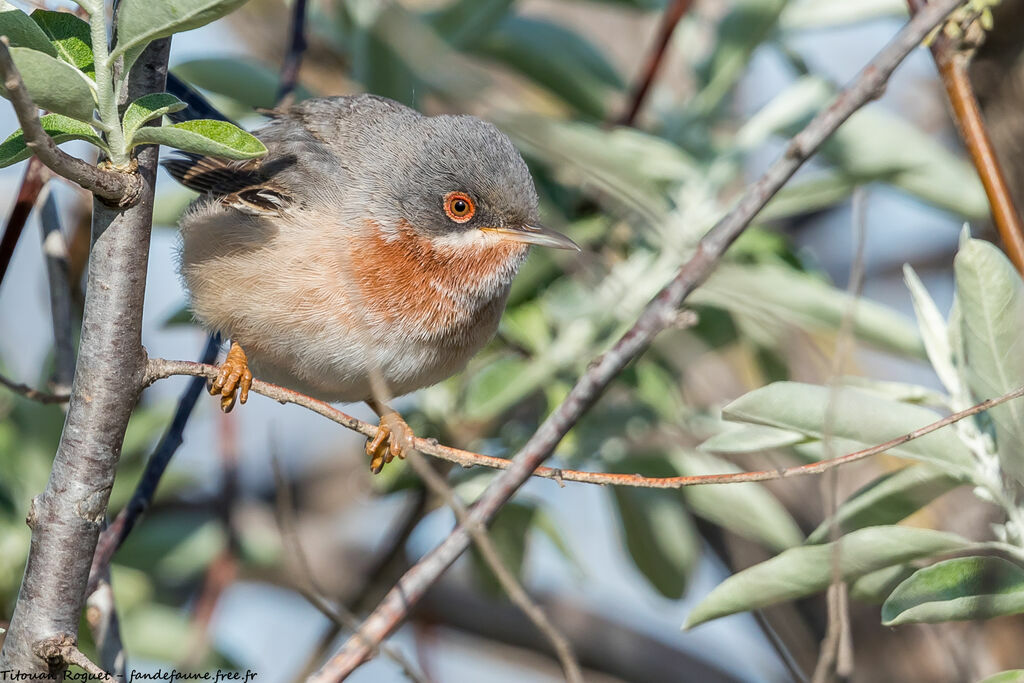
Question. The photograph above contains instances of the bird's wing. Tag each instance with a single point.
(247, 186)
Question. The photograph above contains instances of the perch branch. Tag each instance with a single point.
(952, 62)
(120, 189)
(669, 20)
(656, 316)
(160, 368)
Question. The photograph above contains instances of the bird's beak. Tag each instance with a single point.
(535, 234)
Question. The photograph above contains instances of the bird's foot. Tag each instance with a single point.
(234, 379)
(393, 439)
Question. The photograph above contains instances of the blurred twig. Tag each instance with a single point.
(656, 316)
(32, 183)
(101, 616)
(113, 536)
(953, 61)
(676, 10)
(160, 368)
(55, 252)
(33, 394)
(292, 61)
(340, 616)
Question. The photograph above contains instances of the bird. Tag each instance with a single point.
(368, 254)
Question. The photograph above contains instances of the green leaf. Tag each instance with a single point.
(554, 57)
(70, 37)
(1009, 676)
(934, 331)
(747, 509)
(750, 439)
(139, 22)
(58, 127)
(204, 136)
(53, 84)
(875, 587)
(249, 82)
(888, 499)
(147, 108)
(956, 590)
(466, 22)
(991, 297)
(660, 537)
(897, 391)
(861, 420)
(808, 569)
(21, 31)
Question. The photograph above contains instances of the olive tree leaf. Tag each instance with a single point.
(53, 84)
(21, 31)
(60, 128)
(956, 590)
(808, 569)
(1009, 676)
(875, 587)
(203, 136)
(746, 509)
(70, 38)
(244, 80)
(139, 22)
(750, 439)
(147, 108)
(659, 536)
(888, 499)
(991, 296)
(934, 331)
(861, 420)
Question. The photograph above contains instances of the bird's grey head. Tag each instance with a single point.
(464, 174)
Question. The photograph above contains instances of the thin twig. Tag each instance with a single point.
(669, 20)
(101, 616)
(160, 368)
(55, 252)
(952, 63)
(292, 61)
(121, 189)
(113, 536)
(32, 183)
(340, 616)
(656, 316)
(33, 394)
(515, 591)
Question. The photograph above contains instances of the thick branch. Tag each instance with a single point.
(953, 62)
(658, 314)
(65, 519)
(121, 189)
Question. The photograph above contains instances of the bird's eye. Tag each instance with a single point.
(459, 206)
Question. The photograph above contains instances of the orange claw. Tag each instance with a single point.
(233, 379)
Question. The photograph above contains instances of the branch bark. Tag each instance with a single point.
(121, 189)
(952, 61)
(65, 519)
(657, 315)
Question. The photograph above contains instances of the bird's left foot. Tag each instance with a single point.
(393, 439)
(234, 378)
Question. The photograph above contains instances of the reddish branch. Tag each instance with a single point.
(31, 185)
(952, 62)
(673, 14)
(656, 316)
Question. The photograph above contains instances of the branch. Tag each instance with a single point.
(669, 20)
(65, 519)
(117, 188)
(160, 368)
(55, 252)
(952, 63)
(32, 183)
(61, 650)
(657, 315)
(33, 394)
(293, 57)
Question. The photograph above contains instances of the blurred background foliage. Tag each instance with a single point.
(556, 76)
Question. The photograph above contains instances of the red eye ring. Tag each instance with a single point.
(459, 206)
